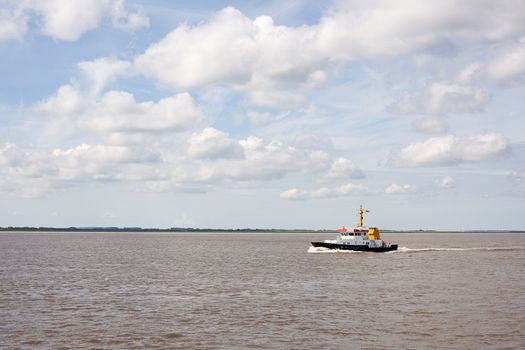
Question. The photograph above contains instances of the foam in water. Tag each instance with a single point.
(318, 250)
(442, 249)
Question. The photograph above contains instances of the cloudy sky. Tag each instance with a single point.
(285, 114)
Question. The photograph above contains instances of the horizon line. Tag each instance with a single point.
(245, 229)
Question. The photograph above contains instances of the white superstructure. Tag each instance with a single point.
(360, 238)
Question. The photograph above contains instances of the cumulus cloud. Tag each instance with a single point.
(232, 48)
(254, 118)
(213, 144)
(9, 153)
(104, 70)
(97, 162)
(66, 20)
(294, 193)
(67, 101)
(450, 150)
(445, 182)
(218, 50)
(270, 160)
(123, 18)
(199, 159)
(276, 64)
(443, 98)
(31, 172)
(343, 168)
(275, 99)
(211, 158)
(398, 189)
(517, 175)
(384, 27)
(451, 98)
(349, 189)
(507, 65)
(430, 126)
(117, 112)
(13, 21)
(259, 160)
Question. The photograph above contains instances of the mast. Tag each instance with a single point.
(361, 211)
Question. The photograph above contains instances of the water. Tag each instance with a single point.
(260, 291)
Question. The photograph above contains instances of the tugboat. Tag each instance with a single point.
(359, 238)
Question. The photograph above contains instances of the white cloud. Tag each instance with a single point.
(104, 70)
(99, 162)
(294, 193)
(213, 144)
(443, 98)
(469, 73)
(254, 118)
(30, 173)
(116, 112)
(445, 182)
(230, 48)
(276, 64)
(343, 168)
(122, 18)
(509, 65)
(374, 28)
(430, 126)
(349, 189)
(13, 21)
(67, 101)
(68, 20)
(452, 98)
(275, 99)
(398, 189)
(506, 65)
(200, 159)
(11, 155)
(64, 19)
(271, 160)
(221, 49)
(260, 160)
(517, 175)
(450, 150)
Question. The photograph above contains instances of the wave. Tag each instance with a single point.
(443, 249)
(321, 250)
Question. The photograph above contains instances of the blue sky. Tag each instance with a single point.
(262, 113)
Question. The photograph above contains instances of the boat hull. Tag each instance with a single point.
(362, 248)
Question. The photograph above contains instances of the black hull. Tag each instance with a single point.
(361, 248)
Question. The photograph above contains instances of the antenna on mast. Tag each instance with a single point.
(361, 211)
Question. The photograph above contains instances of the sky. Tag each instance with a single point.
(262, 114)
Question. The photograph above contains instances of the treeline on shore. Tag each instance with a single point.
(247, 230)
(140, 229)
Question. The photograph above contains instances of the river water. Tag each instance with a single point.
(259, 291)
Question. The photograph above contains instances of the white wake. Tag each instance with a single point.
(446, 249)
(321, 250)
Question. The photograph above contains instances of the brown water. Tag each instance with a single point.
(261, 291)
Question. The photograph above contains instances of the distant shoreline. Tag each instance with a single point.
(201, 230)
